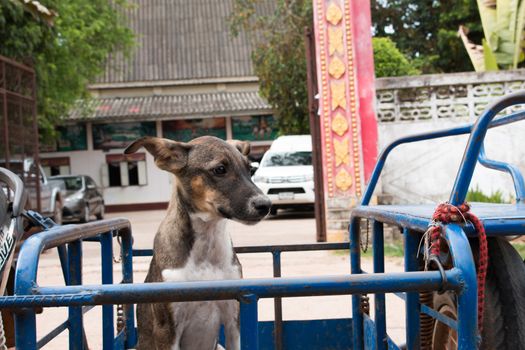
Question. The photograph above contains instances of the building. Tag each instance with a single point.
(187, 77)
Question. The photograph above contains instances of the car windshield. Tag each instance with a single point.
(287, 159)
(72, 183)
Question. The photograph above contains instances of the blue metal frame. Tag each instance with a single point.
(367, 332)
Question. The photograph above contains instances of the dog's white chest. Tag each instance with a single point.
(211, 258)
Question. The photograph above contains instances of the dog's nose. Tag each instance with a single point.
(262, 204)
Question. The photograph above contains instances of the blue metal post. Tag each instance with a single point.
(127, 277)
(62, 254)
(278, 307)
(249, 323)
(25, 330)
(355, 261)
(76, 335)
(108, 331)
(412, 301)
(379, 267)
(468, 296)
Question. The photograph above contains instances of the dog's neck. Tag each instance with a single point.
(191, 236)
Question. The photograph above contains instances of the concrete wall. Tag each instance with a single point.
(425, 172)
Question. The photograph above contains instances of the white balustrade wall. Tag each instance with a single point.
(424, 172)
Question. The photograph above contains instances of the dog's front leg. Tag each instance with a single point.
(231, 324)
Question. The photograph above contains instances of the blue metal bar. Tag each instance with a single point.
(278, 307)
(517, 178)
(62, 254)
(75, 312)
(365, 200)
(126, 252)
(412, 301)
(27, 266)
(467, 298)
(470, 157)
(108, 331)
(379, 267)
(25, 280)
(249, 323)
(233, 289)
(355, 262)
(269, 248)
(57, 330)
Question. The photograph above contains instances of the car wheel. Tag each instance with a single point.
(57, 213)
(87, 214)
(100, 214)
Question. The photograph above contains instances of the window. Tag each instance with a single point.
(254, 128)
(120, 135)
(187, 129)
(56, 166)
(125, 170)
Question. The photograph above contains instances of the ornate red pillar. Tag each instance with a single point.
(345, 75)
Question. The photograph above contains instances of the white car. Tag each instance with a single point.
(286, 174)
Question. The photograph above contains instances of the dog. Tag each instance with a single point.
(211, 184)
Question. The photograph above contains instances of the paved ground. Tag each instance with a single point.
(286, 228)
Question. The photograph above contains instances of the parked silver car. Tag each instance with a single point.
(82, 198)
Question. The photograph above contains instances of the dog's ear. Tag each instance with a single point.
(242, 146)
(169, 155)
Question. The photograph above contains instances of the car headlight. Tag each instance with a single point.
(258, 178)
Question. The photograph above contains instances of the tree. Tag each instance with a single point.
(426, 31)
(502, 46)
(67, 55)
(389, 61)
(279, 56)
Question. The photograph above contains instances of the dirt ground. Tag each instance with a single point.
(287, 228)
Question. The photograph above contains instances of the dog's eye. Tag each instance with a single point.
(220, 170)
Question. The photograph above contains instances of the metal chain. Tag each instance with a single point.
(364, 248)
(121, 319)
(365, 304)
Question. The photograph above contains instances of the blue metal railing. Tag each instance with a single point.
(247, 292)
(460, 278)
(472, 152)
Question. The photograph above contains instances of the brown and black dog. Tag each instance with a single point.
(211, 184)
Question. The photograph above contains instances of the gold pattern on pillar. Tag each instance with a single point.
(335, 41)
(334, 15)
(338, 95)
(342, 153)
(336, 68)
(343, 180)
(339, 124)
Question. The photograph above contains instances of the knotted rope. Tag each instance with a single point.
(447, 213)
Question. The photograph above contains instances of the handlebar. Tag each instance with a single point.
(17, 186)
(473, 150)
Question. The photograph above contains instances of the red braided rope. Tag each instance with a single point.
(447, 213)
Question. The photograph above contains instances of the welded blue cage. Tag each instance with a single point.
(365, 330)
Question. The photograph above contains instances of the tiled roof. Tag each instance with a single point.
(181, 40)
(172, 106)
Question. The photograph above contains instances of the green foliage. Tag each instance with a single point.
(477, 195)
(389, 61)
(68, 55)
(503, 22)
(279, 57)
(426, 31)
